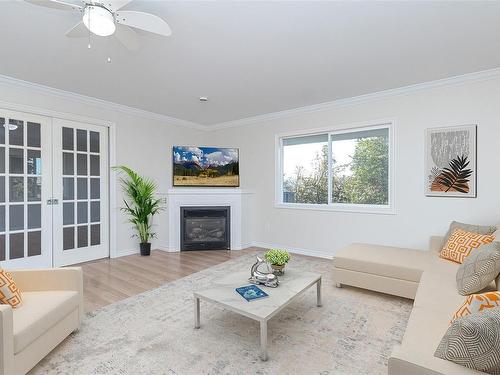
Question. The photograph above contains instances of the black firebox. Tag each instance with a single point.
(205, 228)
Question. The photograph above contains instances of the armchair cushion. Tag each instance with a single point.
(9, 292)
(40, 312)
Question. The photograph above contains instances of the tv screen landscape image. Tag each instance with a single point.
(206, 166)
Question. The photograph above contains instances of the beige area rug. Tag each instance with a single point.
(152, 333)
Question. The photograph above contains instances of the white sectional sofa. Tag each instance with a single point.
(414, 274)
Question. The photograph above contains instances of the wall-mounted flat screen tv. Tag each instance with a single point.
(206, 166)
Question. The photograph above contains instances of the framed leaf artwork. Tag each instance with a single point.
(450, 161)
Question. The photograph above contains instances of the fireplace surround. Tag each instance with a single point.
(239, 200)
(205, 228)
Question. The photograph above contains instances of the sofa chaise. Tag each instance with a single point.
(419, 275)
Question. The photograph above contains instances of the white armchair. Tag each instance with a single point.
(52, 308)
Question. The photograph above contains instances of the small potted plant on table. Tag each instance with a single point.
(140, 205)
(278, 259)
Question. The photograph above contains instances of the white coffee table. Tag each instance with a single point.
(223, 293)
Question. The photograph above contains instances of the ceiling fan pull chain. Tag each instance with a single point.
(89, 30)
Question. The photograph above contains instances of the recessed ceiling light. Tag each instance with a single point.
(203, 99)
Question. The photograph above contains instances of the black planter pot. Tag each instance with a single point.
(145, 248)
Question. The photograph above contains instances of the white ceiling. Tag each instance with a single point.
(252, 58)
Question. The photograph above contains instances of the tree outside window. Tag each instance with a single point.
(359, 174)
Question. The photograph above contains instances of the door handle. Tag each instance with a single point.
(52, 201)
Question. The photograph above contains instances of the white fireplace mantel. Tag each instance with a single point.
(186, 197)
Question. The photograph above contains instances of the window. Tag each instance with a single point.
(305, 169)
(348, 169)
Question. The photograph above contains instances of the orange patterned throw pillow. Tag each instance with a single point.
(9, 293)
(461, 243)
(477, 303)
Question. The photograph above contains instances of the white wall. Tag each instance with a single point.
(141, 143)
(417, 217)
(145, 144)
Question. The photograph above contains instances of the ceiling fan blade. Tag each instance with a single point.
(127, 36)
(114, 5)
(78, 31)
(144, 21)
(57, 4)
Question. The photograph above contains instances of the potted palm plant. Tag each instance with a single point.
(140, 205)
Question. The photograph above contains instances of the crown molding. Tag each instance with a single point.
(366, 98)
(100, 103)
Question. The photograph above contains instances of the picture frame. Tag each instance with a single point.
(203, 166)
(451, 161)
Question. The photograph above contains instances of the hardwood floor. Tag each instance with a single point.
(110, 280)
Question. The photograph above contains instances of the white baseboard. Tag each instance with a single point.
(173, 250)
(167, 249)
(124, 253)
(243, 246)
(295, 250)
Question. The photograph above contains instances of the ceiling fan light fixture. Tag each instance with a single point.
(99, 20)
(10, 126)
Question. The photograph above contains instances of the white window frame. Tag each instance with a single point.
(388, 209)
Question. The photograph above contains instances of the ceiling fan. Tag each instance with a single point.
(104, 18)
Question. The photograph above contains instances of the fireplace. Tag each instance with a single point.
(205, 228)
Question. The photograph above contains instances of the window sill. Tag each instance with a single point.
(361, 209)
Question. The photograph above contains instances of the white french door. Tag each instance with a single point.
(53, 191)
(80, 181)
(25, 185)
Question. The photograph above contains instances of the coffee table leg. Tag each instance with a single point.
(263, 340)
(318, 293)
(196, 313)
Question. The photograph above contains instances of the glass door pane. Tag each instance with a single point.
(25, 184)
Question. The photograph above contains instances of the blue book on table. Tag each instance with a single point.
(251, 292)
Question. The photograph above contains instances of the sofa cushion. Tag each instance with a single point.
(477, 303)
(479, 269)
(473, 341)
(481, 229)
(424, 331)
(404, 264)
(437, 288)
(461, 243)
(39, 312)
(496, 233)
